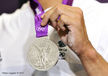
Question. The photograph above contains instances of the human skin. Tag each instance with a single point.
(49, 3)
(72, 31)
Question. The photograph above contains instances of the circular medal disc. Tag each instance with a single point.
(43, 54)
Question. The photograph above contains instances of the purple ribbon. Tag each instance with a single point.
(43, 31)
(68, 2)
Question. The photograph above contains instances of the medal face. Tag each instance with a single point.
(43, 54)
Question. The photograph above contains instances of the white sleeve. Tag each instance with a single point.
(11, 25)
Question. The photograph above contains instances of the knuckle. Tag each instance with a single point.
(62, 17)
(80, 11)
(79, 14)
(58, 7)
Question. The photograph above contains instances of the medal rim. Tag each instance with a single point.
(46, 69)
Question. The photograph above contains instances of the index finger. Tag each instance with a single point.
(46, 16)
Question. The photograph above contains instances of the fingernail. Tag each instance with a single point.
(42, 16)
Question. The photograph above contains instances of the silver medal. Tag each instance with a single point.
(43, 54)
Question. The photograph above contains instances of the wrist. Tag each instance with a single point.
(88, 51)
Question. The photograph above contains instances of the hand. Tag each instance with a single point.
(70, 26)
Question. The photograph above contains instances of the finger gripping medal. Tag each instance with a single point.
(43, 54)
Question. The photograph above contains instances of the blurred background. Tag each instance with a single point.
(9, 6)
